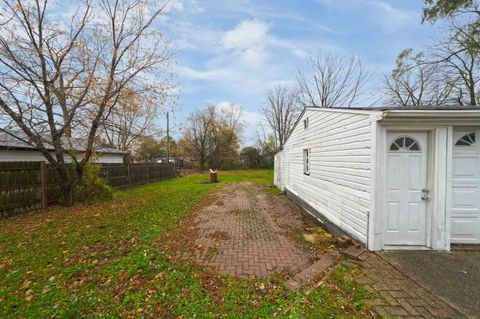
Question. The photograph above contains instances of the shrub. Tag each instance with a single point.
(230, 165)
(196, 166)
(92, 188)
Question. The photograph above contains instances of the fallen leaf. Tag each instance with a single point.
(122, 275)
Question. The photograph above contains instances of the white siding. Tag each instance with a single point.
(279, 168)
(35, 156)
(340, 177)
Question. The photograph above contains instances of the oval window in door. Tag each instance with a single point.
(404, 143)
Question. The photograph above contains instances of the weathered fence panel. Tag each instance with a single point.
(20, 187)
(26, 186)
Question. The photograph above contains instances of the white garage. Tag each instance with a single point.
(392, 178)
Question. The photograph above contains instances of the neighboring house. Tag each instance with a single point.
(13, 149)
(392, 178)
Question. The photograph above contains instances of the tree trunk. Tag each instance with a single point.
(69, 182)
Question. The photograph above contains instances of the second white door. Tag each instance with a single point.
(406, 192)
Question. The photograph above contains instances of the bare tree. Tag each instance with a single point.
(196, 137)
(224, 135)
(415, 82)
(266, 146)
(132, 120)
(59, 76)
(281, 110)
(212, 135)
(333, 81)
(459, 58)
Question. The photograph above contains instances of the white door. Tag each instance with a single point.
(406, 193)
(465, 225)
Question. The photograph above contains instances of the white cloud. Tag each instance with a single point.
(378, 12)
(247, 34)
(393, 18)
(182, 6)
(212, 74)
(248, 41)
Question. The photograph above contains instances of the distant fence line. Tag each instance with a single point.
(27, 186)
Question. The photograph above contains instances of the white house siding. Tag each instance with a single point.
(279, 164)
(34, 156)
(338, 186)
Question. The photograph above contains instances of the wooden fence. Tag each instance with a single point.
(26, 186)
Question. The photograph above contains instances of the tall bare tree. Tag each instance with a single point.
(333, 81)
(212, 135)
(415, 82)
(224, 135)
(61, 75)
(281, 110)
(196, 136)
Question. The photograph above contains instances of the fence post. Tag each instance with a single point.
(129, 175)
(43, 178)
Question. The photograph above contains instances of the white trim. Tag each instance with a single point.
(390, 247)
(371, 214)
(467, 114)
(343, 110)
(448, 186)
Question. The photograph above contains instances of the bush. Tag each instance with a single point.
(92, 188)
(266, 165)
(230, 165)
(196, 166)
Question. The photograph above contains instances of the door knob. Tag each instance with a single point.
(425, 197)
(425, 190)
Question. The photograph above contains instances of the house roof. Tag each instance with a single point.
(18, 140)
(402, 111)
(413, 108)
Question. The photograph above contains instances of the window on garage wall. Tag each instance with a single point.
(306, 161)
(466, 140)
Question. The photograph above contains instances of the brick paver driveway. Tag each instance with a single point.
(248, 233)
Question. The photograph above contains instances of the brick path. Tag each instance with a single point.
(398, 295)
(247, 233)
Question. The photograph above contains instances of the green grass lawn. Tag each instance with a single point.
(114, 260)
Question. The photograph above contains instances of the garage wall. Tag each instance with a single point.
(338, 187)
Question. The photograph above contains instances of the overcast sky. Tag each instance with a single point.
(234, 50)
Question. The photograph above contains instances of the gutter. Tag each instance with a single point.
(430, 114)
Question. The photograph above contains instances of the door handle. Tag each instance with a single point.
(425, 190)
(425, 197)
